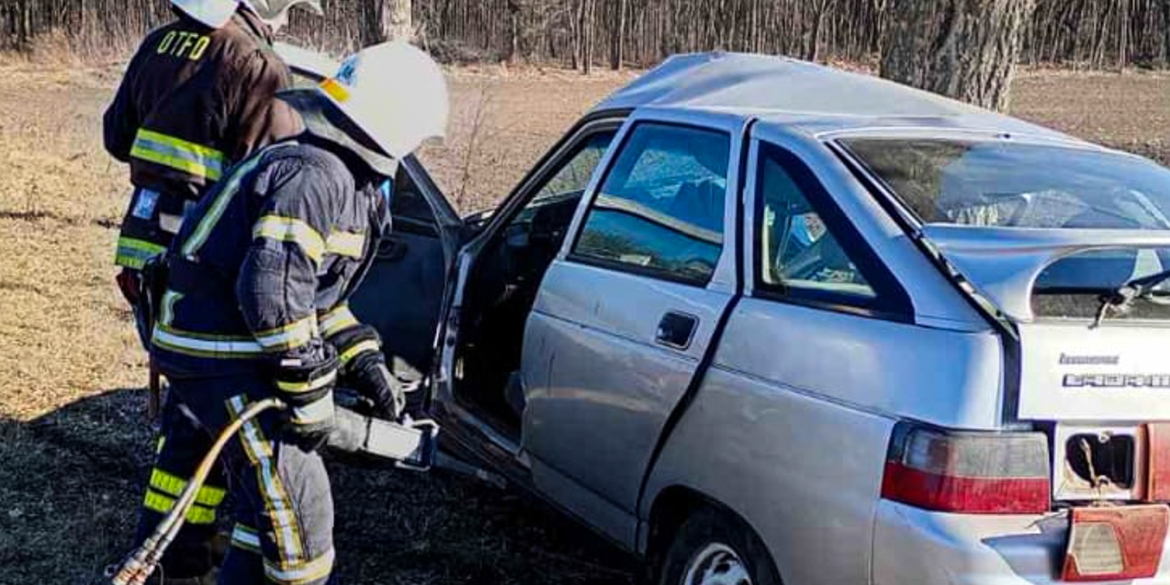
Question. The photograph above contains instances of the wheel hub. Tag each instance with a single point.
(716, 564)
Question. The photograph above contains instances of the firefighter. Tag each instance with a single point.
(255, 303)
(198, 95)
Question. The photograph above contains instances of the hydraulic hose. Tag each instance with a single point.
(138, 567)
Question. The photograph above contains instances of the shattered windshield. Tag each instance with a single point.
(1003, 184)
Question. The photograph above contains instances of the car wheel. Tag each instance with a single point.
(716, 548)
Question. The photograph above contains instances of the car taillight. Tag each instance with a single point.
(967, 471)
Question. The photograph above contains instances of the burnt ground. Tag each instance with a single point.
(73, 445)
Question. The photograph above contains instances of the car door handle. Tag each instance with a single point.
(676, 330)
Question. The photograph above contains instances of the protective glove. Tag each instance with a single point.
(369, 375)
(364, 369)
(305, 381)
(130, 284)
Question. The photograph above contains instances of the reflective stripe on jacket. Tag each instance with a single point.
(192, 101)
(264, 264)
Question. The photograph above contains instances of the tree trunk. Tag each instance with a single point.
(820, 9)
(387, 20)
(1166, 32)
(619, 38)
(1123, 35)
(587, 13)
(579, 35)
(965, 49)
(514, 31)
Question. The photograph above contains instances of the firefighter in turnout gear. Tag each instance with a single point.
(198, 95)
(256, 302)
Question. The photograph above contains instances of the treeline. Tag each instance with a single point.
(582, 33)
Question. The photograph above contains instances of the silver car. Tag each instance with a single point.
(757, 320)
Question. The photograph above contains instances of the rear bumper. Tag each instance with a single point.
(917, 546)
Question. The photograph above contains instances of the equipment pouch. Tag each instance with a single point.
(155, 273)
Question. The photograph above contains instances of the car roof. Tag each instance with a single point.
(805, 96)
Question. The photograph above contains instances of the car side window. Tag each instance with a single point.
(809, 252)
(572, 178)
(797, 250)
(660, 207)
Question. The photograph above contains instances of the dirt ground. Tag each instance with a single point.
(73, 446)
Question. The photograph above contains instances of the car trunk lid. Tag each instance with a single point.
(1048, 284)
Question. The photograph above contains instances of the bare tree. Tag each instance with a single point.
(1095, 34)
(966, 49)
(820, 9)
(618, 37)
(387, 20)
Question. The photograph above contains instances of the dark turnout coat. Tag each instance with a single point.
(263, 266)
(193, 101)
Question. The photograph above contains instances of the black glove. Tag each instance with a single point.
(369, 375)
(364, 369)
(305, 381)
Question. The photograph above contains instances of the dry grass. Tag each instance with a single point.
(73, 446)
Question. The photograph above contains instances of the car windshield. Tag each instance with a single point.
(1003, 184)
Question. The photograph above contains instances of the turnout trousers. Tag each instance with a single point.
(282, 504)
(181, 446)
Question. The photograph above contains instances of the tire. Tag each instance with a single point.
(713, 547)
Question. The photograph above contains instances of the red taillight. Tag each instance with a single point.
(968, 472)
(1115, 544)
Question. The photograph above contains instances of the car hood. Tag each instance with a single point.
(1002, 264)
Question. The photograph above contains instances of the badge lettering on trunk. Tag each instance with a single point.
(1117, 380)
(1089, 360)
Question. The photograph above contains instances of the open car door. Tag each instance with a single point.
(403, 293)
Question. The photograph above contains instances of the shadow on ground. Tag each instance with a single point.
(70, 482)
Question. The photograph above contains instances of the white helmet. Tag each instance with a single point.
(395, 93)
(275, 12)
(213, 13)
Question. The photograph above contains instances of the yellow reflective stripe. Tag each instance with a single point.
(285, 528)
(218, 205)
(337, 319)
(296, 574)
(345, 244)
(204, 345)
(189, 157)
(357, 349)
(288, 336)
(291, 229)
(246, 538)
(174, 485)
(133, 253)
(163, 505)
(308, 386)
(254, 446)
(162, 441)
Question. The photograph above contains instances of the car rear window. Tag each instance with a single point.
(1004, 184)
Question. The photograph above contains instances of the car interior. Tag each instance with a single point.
(503, 285)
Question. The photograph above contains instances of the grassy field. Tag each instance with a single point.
(73, 444)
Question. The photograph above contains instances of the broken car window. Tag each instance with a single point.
(660, 208)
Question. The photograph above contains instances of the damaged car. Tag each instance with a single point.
(757, 320)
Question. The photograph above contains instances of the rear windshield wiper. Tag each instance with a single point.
(1120, 300)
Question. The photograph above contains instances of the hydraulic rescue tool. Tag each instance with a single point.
(411, 444)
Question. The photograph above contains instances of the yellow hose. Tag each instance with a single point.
(137, 568)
